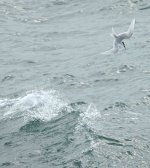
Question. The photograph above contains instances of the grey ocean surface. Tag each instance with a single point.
(62, 103)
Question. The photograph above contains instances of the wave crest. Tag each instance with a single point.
(43, 105)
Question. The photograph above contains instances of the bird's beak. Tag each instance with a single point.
(123, 44)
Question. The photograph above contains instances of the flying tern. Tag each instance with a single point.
(118, 38)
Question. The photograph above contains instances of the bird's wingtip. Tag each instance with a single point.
(133, 20)
(112, 29)
(133, 23)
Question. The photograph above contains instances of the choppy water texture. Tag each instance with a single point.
(62, 103)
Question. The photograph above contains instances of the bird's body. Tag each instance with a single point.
(118, 38)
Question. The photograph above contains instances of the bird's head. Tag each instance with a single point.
(123, 44)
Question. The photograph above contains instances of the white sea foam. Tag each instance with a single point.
(43, 105)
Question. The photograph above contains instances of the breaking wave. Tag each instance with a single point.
(43, 105)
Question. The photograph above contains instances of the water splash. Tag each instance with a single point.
(90, 118)
(43, 105)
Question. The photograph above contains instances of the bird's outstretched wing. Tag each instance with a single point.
(108, 52)
(113, 50)
(128, 34)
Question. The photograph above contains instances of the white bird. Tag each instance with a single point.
(118, 38)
